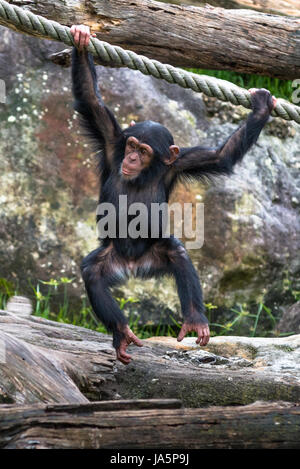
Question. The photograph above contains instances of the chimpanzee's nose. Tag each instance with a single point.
(133, 156)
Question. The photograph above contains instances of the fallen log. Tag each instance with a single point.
(186, 36)
(49, 362)
(275, 7)
(163, 369)
(107, 425)
(44, 361)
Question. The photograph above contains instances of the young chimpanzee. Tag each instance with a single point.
(142, 163)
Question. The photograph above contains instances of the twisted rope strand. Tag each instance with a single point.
(27, 21)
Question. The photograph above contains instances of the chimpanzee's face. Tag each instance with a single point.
(138, 156)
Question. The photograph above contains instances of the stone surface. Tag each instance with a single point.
(290, 320)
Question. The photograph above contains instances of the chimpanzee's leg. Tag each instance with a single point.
(170, 257)
(100, 272)
(187, 280)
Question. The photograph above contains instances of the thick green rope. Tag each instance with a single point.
(26, 21)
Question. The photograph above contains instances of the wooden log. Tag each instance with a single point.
(154, 374)
(50, 362)
(277, 7)
(187, 36)
(260, 425)
(55, 362)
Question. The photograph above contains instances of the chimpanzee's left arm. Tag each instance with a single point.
(202, 161)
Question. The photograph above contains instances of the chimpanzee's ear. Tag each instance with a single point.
(174, 152)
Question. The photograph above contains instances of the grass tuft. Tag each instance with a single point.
(239, 322)
(279, 88)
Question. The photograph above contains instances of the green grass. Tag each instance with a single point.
(279, 88)
(7, 289)
(240, 320)
(241, 317)
(82, 317)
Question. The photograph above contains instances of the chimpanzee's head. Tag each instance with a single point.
(148, 144)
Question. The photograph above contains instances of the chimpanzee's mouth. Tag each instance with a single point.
(128, 172)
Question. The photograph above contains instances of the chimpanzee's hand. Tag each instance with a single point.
(201, 329)
(262, 101)
(81, 34)
(128, 338)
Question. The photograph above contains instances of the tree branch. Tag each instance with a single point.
(275, 7)
(214, 38)
(142, 425)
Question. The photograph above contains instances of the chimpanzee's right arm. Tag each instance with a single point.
(98, 121)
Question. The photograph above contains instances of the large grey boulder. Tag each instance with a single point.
(290, 320)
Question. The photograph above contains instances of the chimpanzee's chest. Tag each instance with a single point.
(130, 216)
(120, 193)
